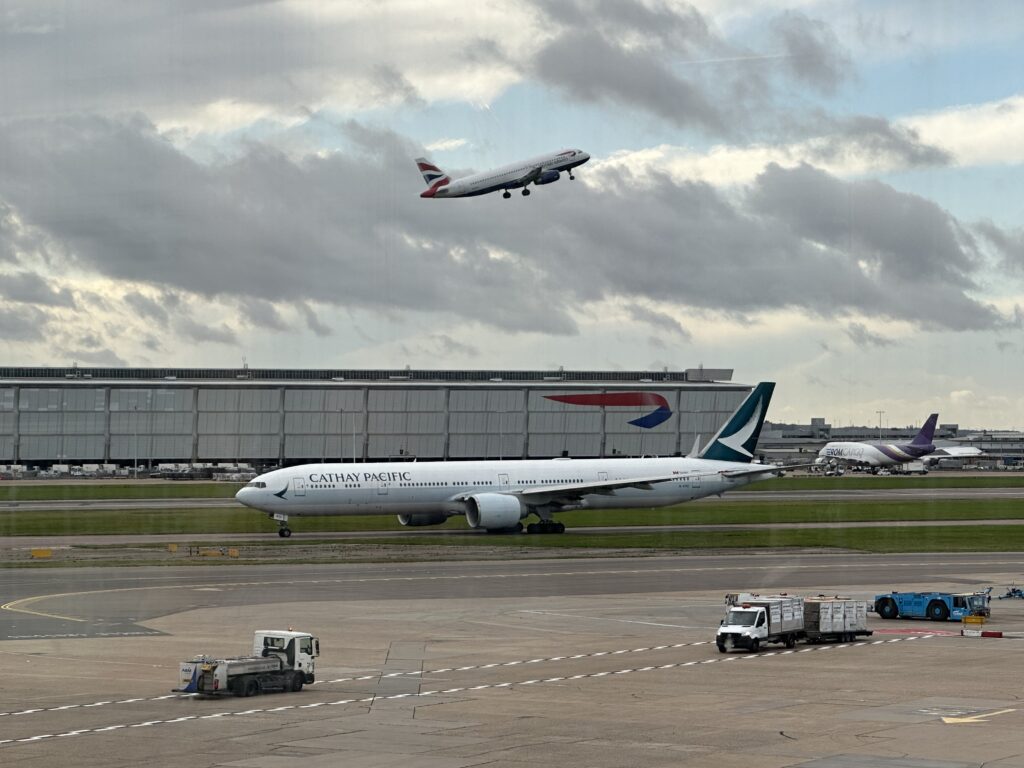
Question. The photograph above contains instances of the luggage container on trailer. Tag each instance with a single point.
(835, 619)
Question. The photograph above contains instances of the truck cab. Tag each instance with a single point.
(298, 650)
(744, 627)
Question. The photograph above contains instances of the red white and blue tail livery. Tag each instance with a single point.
(537, 170)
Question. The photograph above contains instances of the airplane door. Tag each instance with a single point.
(382, 489)
(503, 481)
(298, 486)
(602, 477)
(695, 481)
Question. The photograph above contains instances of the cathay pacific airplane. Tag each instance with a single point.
(537, 170)
(877, 455)
(498, 495)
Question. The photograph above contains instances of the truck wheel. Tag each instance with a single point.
(937, 611)
(755, 645)
(721, 648)
(791, 642)
(297, 680)
(886, 608)
(252, 687)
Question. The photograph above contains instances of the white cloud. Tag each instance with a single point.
(446, 145)
(977, 134)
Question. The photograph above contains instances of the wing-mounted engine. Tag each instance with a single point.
(546, 177)
(494, 511)
(426, 518)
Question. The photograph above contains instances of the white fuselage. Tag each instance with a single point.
(443, 486)
(508, 176)
(868, 454)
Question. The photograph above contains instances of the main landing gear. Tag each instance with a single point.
(506, 194)
(526, 192)
(571, 177)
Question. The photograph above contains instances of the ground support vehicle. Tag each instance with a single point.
(280, 661)
(835, 619)
(755, 620)
(937, 606)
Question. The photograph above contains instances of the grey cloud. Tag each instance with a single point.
(658, 320)
(862, 337)
(263, 314)
(678, 25)
(449, 346)
(105, 357)
(388, 84)
(1008, 243)
(22, 323)
(147, 307)
(265, 228)
(199, 332)
(1006, 346)
(30, 288)
(313, 322)
(876, 137)
(814, 55)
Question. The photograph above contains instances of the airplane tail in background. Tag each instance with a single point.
(737, 440)
(924, 437)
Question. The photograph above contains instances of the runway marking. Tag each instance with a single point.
(467, 668)
(424, 694)
(605, 618)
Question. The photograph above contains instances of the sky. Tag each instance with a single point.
(824, 193)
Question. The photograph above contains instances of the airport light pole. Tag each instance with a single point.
(879, 423)
(135, 440)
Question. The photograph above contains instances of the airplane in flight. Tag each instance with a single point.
(878, 455)
(537, 170)
(498, 495)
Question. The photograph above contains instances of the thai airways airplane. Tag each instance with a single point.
(498, 495)
(537, 170)
(877, 455)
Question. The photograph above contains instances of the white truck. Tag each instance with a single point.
(753, 620)
(280, 661)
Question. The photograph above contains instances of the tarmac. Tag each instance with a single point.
(599, 662)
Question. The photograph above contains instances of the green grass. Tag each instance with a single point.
(241, 520)
(143, 490)
(871, 483)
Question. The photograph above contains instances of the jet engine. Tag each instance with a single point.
(546, 177)
(494, 511)
(428, 518)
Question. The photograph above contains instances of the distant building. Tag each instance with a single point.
(264, 417)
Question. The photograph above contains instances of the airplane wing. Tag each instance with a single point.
(955, 451)
(772, 470)
(529, 177)
(571, 492)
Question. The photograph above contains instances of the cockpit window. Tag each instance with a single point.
(256, 484)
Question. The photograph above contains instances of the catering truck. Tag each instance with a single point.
(280, 661)
(753, 620)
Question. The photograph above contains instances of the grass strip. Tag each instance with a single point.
(240, 520)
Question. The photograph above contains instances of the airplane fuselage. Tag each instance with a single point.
(444, 487)
(873, 454)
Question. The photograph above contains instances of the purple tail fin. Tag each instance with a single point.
(924, 437)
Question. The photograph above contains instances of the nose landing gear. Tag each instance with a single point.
(282, 521)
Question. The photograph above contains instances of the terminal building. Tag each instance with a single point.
(280, 417)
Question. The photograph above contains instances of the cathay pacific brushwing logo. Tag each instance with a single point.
(659, 415)
(280, 494)
(737, 439)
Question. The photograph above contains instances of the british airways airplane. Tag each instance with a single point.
(537, 170)
(498, 495)
(877, 455)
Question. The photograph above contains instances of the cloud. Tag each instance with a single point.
(862, 337)
(814, 55)
(1009, 244)
(263, 314)
(203, 333)
(103, 357)
(660, 320)
(312, 321)
(146, 306)
(23, 323)
(445, 145)
(30, 288)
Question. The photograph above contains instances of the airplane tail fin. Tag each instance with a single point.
(431, 173)
(924, 437)
(737, 440)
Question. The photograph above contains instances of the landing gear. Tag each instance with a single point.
(526, 192)
(546, 526)
(282, 521)
(506, 194)
(571, 177)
